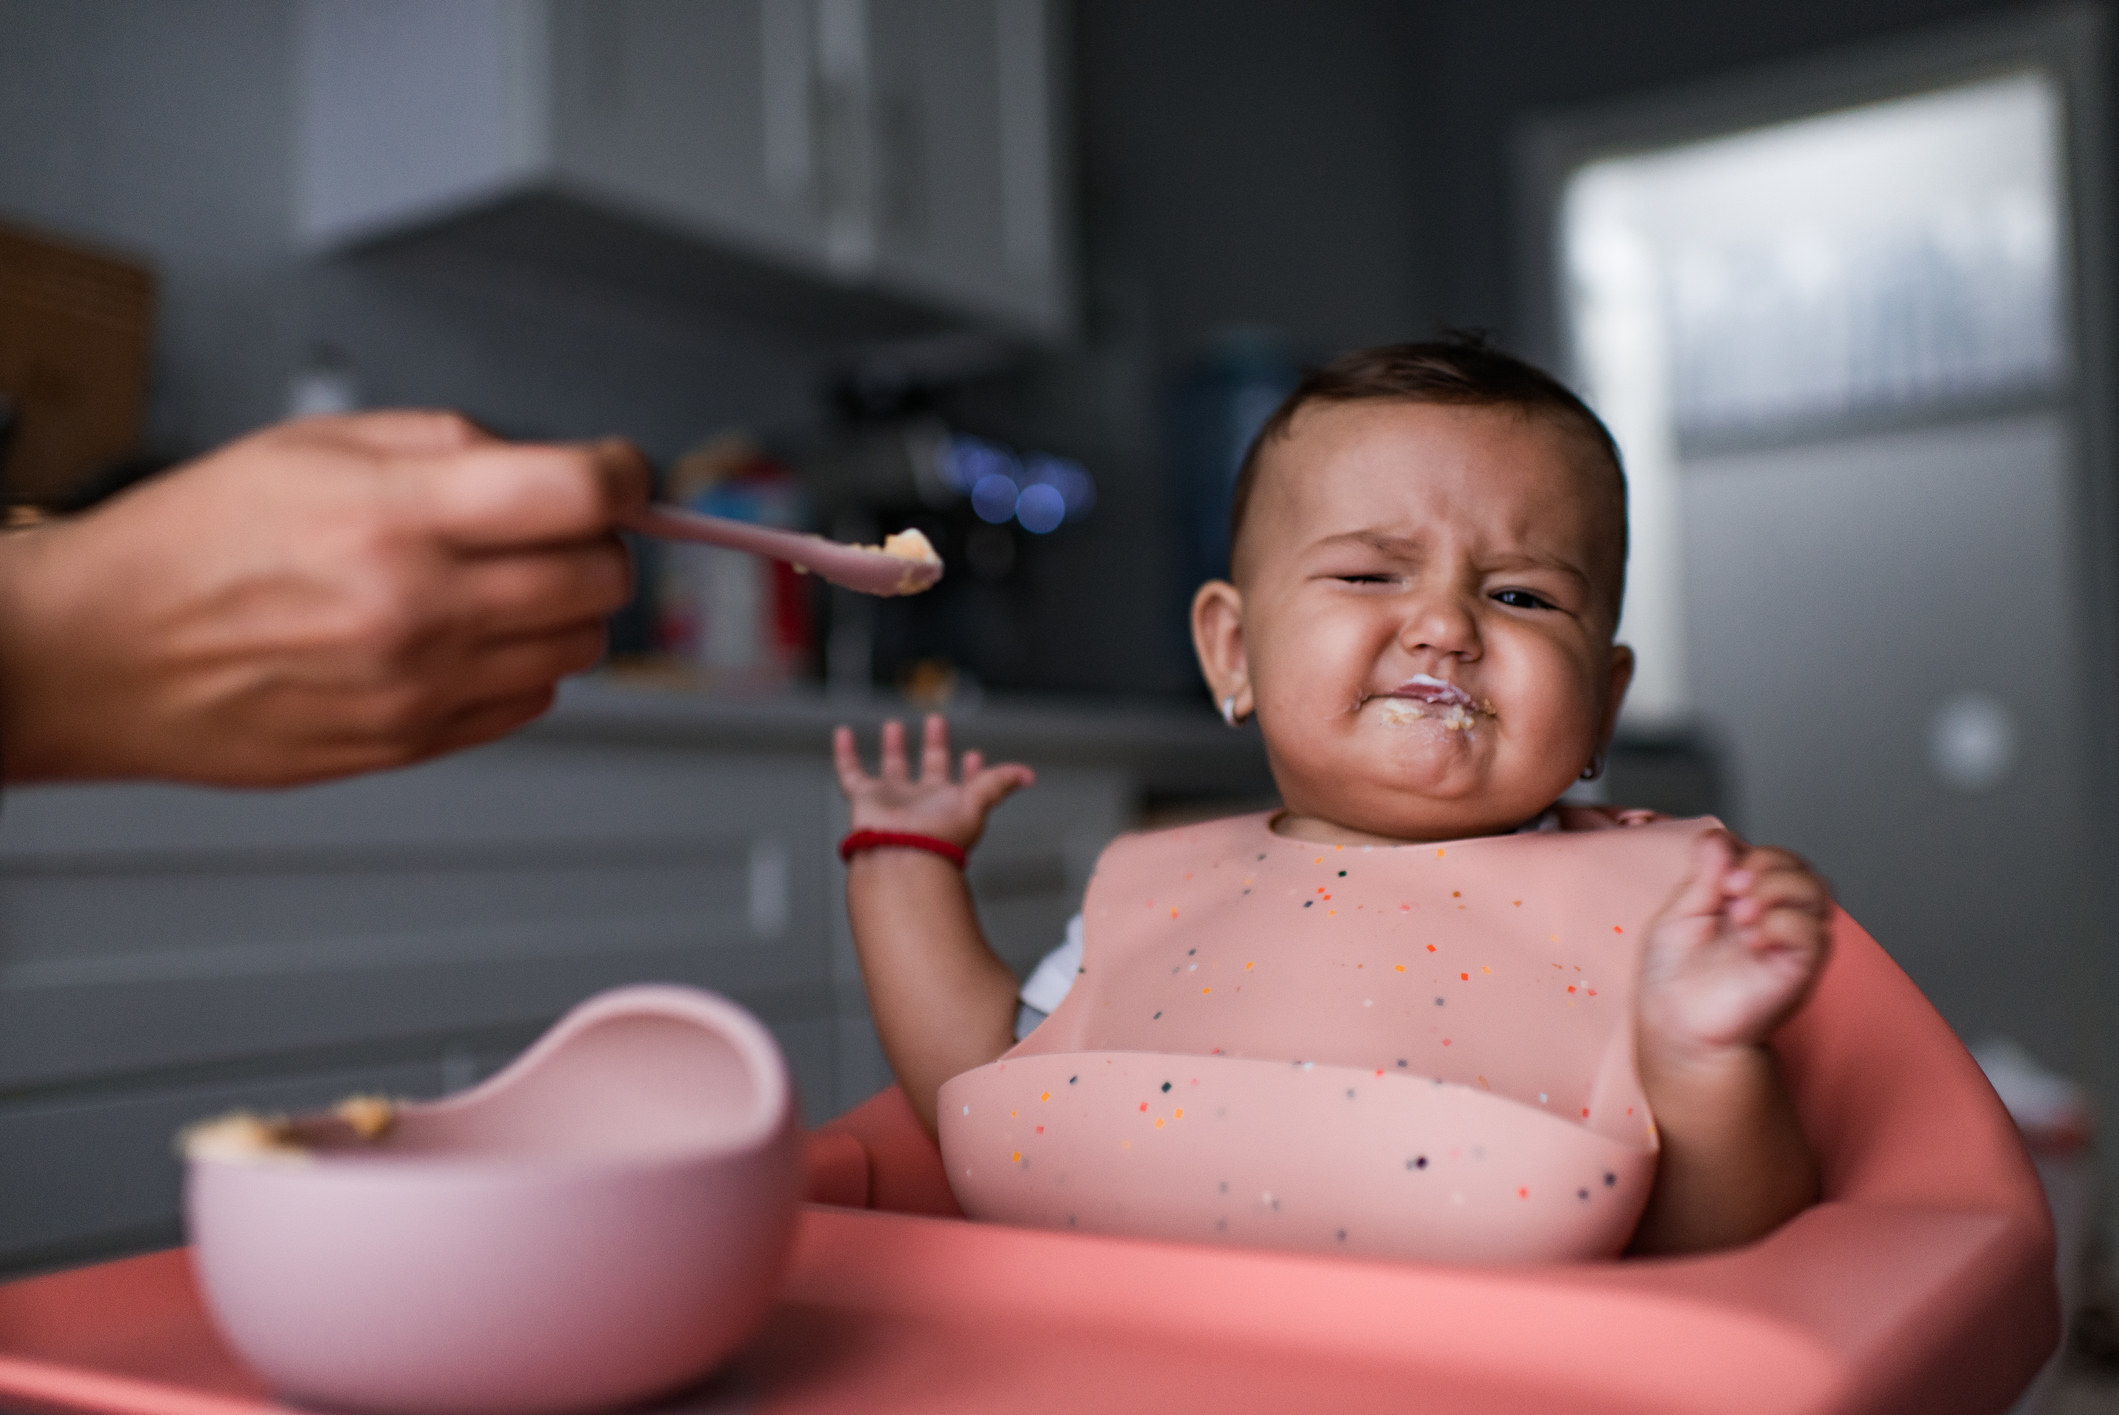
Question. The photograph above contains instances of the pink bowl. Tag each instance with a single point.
(601, 1222)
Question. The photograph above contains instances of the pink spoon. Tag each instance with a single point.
(869, 569)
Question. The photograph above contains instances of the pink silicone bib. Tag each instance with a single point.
(1414, 1051)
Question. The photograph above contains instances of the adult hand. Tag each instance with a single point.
(327, 596)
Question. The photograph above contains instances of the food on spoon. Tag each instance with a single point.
(909, 566)
(910, 544)
(922, 563)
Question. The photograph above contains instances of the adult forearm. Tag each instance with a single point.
(1734, 1163)
(47, 716)
(942, 1002)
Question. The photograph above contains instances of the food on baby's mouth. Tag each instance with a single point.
(1454, 717)
(1426, 698)
(246, 1136)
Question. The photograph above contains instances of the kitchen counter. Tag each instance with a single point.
(1170, 748)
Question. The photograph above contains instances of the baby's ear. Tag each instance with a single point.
(1217, 637)
(1622, 662)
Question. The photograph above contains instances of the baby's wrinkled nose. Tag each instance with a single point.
(1439, 625)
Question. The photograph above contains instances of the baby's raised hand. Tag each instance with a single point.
(1734, 952)
(931, 804)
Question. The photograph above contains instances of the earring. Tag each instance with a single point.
(1595, 768)
(1228, 710)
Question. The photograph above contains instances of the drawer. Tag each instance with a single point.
(145, 927)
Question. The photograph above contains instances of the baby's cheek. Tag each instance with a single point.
(1313, 672)
(1550, 736)
(1558, 704)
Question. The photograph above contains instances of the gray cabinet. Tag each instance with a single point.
(170, 953)
(910, 150)
(150, 928)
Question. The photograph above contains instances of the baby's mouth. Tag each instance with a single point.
(1424, 697)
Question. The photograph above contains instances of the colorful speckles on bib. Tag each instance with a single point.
(1471, 1145)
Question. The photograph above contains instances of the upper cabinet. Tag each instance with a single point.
(904, 152)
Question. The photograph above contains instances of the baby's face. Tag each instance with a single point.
(1423, 618)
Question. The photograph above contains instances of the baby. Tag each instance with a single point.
(1429, 544)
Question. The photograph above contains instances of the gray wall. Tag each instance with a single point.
(163, 131)
(166, 131)
(1257, 163)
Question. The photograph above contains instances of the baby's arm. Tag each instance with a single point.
(1727, 961)
(943, 1003)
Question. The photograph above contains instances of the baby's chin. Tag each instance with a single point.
(1435, 771)
(1408, 770)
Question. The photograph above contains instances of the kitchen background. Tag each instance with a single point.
(1024, 273)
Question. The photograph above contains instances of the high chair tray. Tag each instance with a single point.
(890, 1312)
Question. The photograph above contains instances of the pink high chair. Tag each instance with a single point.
(1922, 1283)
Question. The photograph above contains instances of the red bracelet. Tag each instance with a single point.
(860, 840)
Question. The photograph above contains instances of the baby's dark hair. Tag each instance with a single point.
(1459, 369)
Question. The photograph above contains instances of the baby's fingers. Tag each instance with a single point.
(1785, 887)
(1792, 944)
(1700, 896)
(1749, 862)
(893, 765)
(1790, 928)
(846, 761)
(934, 749)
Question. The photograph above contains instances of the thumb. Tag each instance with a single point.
(623, 473)
(997, 783)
